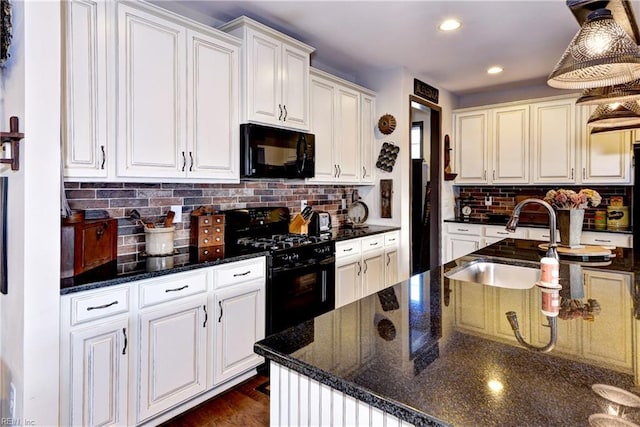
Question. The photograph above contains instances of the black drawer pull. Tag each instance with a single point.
(463, 229)
(347, 250)
(176, 289)
(220, 305)
(99, 307)
(206, 316)
(602, 240)
(373, 244)
(242, 274)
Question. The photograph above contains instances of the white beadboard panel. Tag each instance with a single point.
(319, 405)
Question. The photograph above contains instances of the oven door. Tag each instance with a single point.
(300, 293)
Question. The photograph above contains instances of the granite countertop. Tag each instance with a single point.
(402, 350)
(99, 280)
(487, 221)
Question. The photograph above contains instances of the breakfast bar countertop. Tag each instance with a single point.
(434, 351)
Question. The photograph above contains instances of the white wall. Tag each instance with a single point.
(29, 322)
(393, 88)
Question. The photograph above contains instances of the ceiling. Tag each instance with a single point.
(526, 38)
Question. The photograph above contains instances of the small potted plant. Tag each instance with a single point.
(570, 208)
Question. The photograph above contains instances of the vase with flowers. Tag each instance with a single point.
(570, 208)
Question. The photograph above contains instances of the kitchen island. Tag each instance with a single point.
(432, 351)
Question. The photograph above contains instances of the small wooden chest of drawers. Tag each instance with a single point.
(206, 237)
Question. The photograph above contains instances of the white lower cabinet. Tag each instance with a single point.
(99, 374)
(365, 265)
(173, 354)
(140, 352)
(239, 323)
(95, 353)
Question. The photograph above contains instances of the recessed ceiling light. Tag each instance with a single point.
(450, 25)
(494, 70)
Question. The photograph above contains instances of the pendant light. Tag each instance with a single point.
(616, 115)
(600, 54)
(610, 94)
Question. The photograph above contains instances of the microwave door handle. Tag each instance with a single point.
(301, 158)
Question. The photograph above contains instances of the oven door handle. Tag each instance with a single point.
(312, 266)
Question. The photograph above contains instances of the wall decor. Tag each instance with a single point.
(387, 156)
(5, 30)
(425, 91)
(387, 124)
(448, 176)
(386, 192)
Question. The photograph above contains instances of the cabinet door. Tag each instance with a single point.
(505, 300)
(295, 87)
(373, 277)
(391, 266)
(151, 95)
(99, 374)
(367, 153)
(606, 157)
(84, 120)
(240, 322)
(212, 108)
(323, 104)
(471, 147)
(347, 138)
(173, 354)
(475, 299)
(553, 141)
(510, 145)
(264, 89)
(608, 339)
(458, 246)
(348, 281)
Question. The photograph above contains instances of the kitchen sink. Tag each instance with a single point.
(492, 273)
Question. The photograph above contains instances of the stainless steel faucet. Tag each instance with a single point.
(512, 224)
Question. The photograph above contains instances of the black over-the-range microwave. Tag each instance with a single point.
(268, 152)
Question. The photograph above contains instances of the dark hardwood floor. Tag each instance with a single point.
(244, 405)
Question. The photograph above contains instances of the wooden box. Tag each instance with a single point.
(206, 238)
(88, 246)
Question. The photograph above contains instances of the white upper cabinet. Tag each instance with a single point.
(606, 157)
(178, 99)
(152, 95)
(367, 153)
(177, 86)
(544, 141)
(471, 145)
(213, 107)
(342, 120)
(275, 74)
(510, 145)
(84, 114)
(553, 134)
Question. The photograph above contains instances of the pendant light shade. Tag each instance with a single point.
(617, 115)
(601, 54)
(611, 94)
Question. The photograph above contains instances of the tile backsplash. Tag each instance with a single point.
(153, 201)
(504, 197)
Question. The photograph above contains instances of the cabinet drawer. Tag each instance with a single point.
(541, 234)
(209, 236)
(238, 272)
(99, 304)
(348, 247)
(172, 286)
(468, 229)
(502, 233)
(606, 239)
(372, 242)
(392, 238)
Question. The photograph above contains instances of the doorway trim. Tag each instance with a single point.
(435, 174)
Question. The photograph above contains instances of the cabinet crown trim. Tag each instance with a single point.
(573, 96)
(314, 72)
(244, 21)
